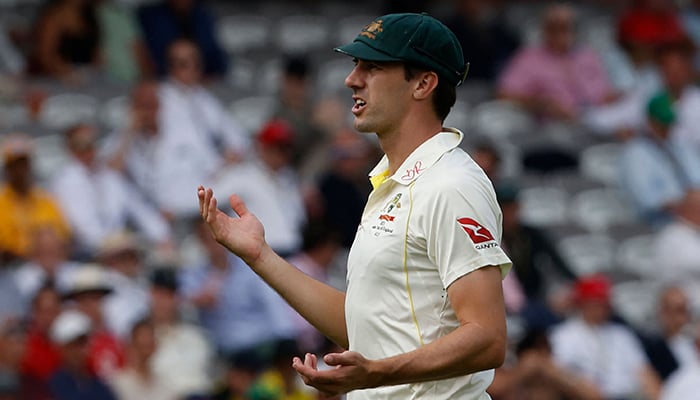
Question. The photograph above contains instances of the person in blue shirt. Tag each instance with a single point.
(661, 173)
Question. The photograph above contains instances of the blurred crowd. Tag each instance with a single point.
(111, 287)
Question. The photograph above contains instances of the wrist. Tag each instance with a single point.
(379, 371)
(262, 258)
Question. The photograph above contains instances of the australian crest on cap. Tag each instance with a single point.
(372, 29)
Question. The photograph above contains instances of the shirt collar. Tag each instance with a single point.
(422, 158)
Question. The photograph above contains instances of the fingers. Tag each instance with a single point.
(207, 204)
(311, 361)
(211, 213)
(200, 197)
(238, 205)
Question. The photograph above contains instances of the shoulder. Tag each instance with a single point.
(456, 174)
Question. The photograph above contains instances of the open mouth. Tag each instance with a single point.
(358, 106)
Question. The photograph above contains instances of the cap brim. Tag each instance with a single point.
(363, 51)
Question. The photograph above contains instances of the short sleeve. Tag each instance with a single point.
(463, 231)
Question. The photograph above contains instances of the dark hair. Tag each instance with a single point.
(296, 66)
(444, 96)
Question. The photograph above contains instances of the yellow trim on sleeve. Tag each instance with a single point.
(378, 179)
(405, 263)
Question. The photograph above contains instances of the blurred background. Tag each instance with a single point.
(585, 115)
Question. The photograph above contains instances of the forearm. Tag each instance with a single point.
(320, 304)
(468, 349)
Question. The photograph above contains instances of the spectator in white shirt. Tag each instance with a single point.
(97, 200)
(200, 135)
(271, 187)
(135, 150)
(184, 358)
(594, 348)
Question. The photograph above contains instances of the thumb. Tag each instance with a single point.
(343, 358)
(237, 205)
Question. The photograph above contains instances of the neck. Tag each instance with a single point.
(399, 144)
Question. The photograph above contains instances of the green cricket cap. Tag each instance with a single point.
(416, 39)
(660, 109)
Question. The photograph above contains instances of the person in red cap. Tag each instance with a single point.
(269, 184)
(605, 353)
(423, 315)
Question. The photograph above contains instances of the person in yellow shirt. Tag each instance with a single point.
(24, 206)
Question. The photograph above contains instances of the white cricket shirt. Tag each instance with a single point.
(435, 220)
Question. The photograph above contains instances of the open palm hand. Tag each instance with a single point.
(244, 236)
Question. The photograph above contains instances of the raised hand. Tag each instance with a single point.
(244, 236)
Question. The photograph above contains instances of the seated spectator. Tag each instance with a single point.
(24, 206)
(534, 375)
(86, 290)
(137, 381)
(122, 256)
(685, 382)
(538, 269)
(199, 134)
(139, 150)
(71, 332)
(270, 186)
(47, 262)
(609, 355)
(124, 54)
(344, 187)
(166, 21)
(647, 24)
(97, 200)
(486, 39)
(41, 356)
(660, 173)
(236, 307)
(671, 348)
(187, 373)
(67, 38)
(556, 79)
(296, 107)
(12, 348)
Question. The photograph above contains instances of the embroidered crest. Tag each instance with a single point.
(372, 29)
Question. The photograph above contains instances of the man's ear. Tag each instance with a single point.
(426, 82)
